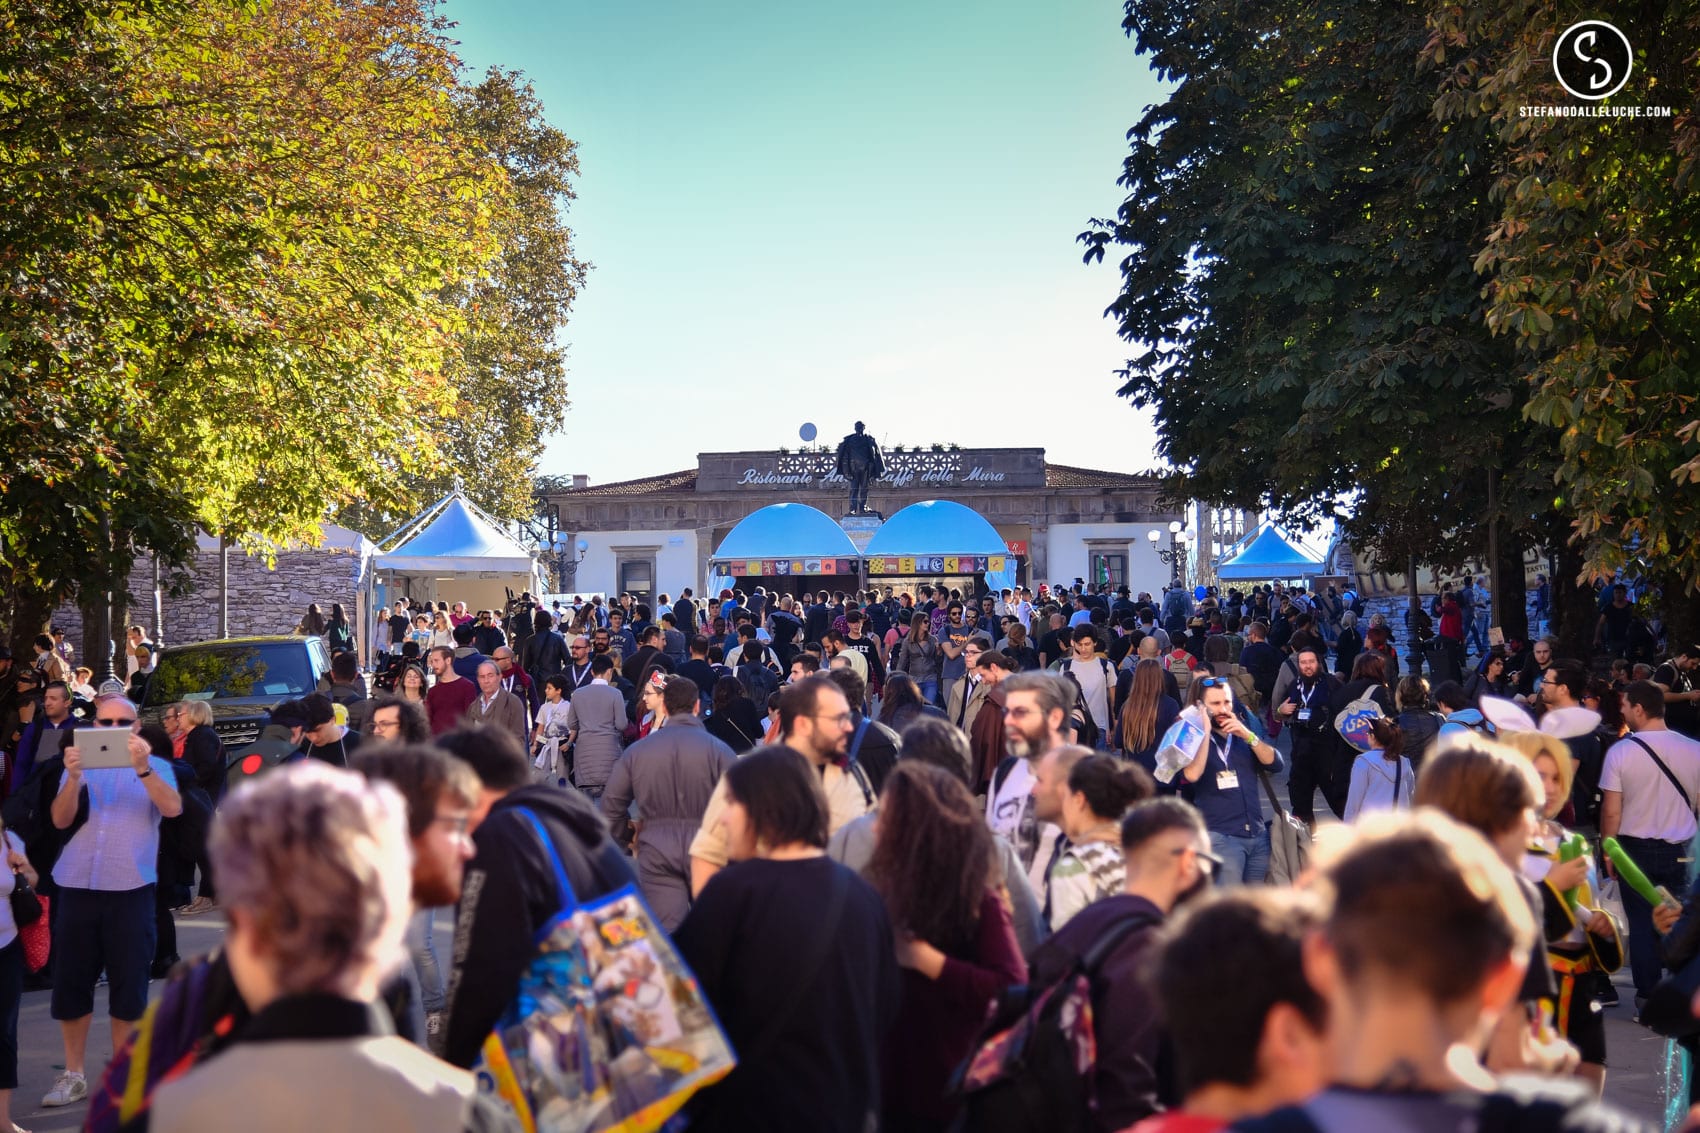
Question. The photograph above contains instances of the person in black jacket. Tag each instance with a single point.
(880, 746)
(545, 652)
(203, 750)
(510, 892)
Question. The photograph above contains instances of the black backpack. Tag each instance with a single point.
(1022, 1075)
(758, 680)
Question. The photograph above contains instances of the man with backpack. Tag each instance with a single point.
(545, 651)
(1094, 680)
(510, 889)
(1167, 851)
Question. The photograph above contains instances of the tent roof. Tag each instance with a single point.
(1268, 554)
(937, 527)
(786, 531)
(458, 538)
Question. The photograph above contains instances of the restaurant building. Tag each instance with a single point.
(1056, 522)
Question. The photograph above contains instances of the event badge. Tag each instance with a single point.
(1304, 715)
(1227, 781)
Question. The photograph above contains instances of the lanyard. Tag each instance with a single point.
(1224, 751)
(1306, 697)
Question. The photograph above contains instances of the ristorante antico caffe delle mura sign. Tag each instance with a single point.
(972, 468)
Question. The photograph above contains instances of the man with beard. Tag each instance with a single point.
(1036, 707)
(1224, 787)
(1167, 850)
(816, 722)
(1303, 707)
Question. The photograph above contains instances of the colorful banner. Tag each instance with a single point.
(1016, 546)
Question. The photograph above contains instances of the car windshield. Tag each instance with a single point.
(218, 672)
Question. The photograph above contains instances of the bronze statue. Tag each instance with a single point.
(859, 461)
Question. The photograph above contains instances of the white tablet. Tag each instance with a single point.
(103, 747)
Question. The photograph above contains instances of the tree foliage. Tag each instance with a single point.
(1593, 268)
(1298, 235)
(1360, 284)
(261, 261)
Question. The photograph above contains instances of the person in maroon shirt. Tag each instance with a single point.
(932, 863)
(448, 699)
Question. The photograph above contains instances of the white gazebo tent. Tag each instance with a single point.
(454, 551)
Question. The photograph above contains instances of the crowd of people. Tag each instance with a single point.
(902, 843)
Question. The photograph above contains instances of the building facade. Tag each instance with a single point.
(655, 535)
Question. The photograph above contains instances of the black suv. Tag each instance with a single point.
(242, 678)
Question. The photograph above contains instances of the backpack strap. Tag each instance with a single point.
(1669, 774)
(856, 741)
(1093, 958)
(563, 887)
(1001, 774)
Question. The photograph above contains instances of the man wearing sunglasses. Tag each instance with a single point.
(1167, 853)
(105, 876)
(1222, 784)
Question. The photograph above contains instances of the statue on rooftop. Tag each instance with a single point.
(859, 462)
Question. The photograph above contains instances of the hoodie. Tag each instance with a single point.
(1465, 720)
(509, 895)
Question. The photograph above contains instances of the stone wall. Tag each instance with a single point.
(262, 601)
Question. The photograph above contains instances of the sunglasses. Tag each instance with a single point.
(1213, 859)
(115, 722)
(1213, 682)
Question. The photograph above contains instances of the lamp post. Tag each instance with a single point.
(569, 566)
(1175, 554)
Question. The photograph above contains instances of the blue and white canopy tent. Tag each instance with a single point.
(1268, 556)
(940, 539)
(454, 551)
(782, 542)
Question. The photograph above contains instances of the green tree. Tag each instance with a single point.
(1593, 269)
(1297, 256)
(230, 272)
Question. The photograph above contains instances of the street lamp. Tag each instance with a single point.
(569, 567)
(1175, 553)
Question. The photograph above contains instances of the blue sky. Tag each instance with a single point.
(812, 212)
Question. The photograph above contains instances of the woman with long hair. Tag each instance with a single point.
(795, 953)
(1583, 944)
(1492, 679)
(411, 684)
(932, 862)
(1020, 650)
(1146, 714)
(442, 633)
(902, 704)
(1417, 719)
(1382, 778)
(313, 622)
(734, 719)
(1100, 789)
(921, 658)
(1494, 790)
(339, 635)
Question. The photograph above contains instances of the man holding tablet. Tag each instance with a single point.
(106, 876)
